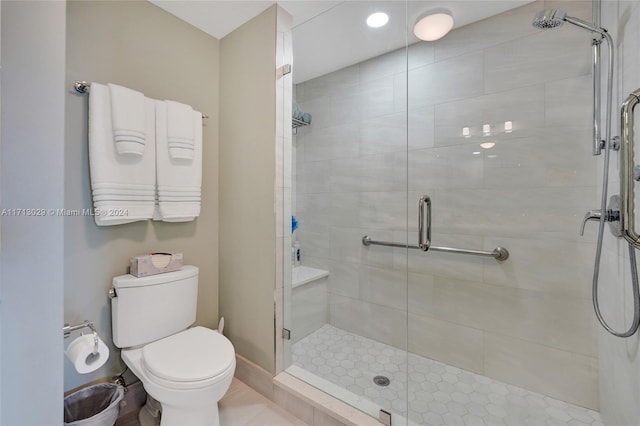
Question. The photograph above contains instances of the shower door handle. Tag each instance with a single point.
(424, 241)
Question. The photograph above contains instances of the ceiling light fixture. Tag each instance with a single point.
(433, 25)
(487, 145)
(377, 20)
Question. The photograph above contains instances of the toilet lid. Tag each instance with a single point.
(195, 354)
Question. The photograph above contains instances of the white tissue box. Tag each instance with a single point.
(155, 263)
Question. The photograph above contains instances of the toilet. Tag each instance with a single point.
(187, 370)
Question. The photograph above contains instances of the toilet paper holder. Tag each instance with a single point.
(67, 329)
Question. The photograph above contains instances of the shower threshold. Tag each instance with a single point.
(344, 365)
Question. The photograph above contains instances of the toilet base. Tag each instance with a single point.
(149, 414)
(180, 416)
(152, 414)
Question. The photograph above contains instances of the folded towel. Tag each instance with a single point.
(116, 197)
(179, 199)
(176, 177)
(179, 193)
(184, 188)
(125, 186)
(179, 211)
(121, 192)
(180, 132)
(128, 119)
(114, 175)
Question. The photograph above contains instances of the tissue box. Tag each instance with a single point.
(155, 263)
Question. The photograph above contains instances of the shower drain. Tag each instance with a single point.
(381, 381)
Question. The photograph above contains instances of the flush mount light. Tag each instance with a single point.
(433, 25)
(377, 20)
(487, 145)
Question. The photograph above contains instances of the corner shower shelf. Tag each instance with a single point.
(295, 123)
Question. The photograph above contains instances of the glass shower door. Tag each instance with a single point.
(346, 308)
(499, 138)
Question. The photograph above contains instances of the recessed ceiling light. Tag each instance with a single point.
(377, 20)
(433, 25)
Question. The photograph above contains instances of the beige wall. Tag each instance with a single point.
(137, 45)
(247, 178)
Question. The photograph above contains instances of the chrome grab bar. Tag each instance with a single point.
(627, 214)
(498, 253)
(422, 244)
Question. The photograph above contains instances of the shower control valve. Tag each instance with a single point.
(609, 216)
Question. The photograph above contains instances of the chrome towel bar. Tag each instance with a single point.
(83, 87)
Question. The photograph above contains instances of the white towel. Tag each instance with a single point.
(114, 197)
(124, 186)
(179, 212)
(180, 132)
(128, 119)
(119, 175)
(176, 177)
(120, 192)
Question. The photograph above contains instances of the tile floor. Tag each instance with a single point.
(438, 394)
(242, 406)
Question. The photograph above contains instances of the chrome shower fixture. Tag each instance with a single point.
(550, 18)
(553, 18)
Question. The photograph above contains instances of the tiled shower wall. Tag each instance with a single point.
(526, 321)
(620, 358)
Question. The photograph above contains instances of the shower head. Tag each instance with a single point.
(553, 18)
(550, 18)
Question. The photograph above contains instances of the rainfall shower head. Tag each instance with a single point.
(553, 18)
(550, 18)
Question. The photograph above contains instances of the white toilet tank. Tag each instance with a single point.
(151, 308)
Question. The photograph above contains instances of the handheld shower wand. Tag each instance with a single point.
(553, 18)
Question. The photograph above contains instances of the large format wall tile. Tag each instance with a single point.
(563, 375)
(523, 106)
(447, 80)
(446, 342)
(377, 322)
(555, 321)
(541, 57)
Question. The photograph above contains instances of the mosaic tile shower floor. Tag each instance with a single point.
(438, 394)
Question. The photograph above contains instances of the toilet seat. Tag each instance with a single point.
(192, 358)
